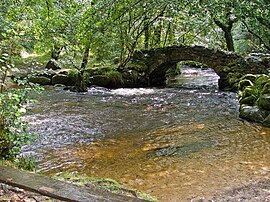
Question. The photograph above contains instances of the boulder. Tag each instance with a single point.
(100, 80)
(253, 113)
(42, 80)
(264, 101)
(52, 64)
(61, 79)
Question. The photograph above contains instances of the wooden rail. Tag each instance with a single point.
(57, 189)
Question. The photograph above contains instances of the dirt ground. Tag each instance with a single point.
(12, 194)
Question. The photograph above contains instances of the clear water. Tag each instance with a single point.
(175, 143)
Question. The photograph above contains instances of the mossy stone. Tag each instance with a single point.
(101, 80)
(61, 79)
(264, 101)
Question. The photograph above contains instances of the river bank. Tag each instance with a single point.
(253, 192)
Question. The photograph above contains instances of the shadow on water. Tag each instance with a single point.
(176, 143)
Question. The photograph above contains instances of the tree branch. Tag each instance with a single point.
(256, 35)
(263, 22)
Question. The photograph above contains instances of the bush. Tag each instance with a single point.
(13, 133)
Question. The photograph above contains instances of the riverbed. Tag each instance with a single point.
(179, 144)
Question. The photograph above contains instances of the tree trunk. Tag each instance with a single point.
(80, 83)
(56, 52)
(229, 39)
(157, 35)
(146, 36)
(168, 31)
(227, 33)
(85, 56)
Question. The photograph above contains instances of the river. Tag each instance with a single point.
(179, 144)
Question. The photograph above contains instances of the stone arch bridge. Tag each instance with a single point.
(157, 61)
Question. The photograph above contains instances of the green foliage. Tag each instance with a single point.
(13, 130)
(117, 28)
(73, 73)
(24, 163)
(254, 91)
(114, 75)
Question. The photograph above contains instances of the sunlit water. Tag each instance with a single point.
(178, 144)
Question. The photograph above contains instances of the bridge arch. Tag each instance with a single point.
(158, 61)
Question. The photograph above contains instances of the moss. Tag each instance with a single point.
(114, 75)
(138, 66)
(108, 184)
(193, 64)
(232, 81)
(73, 73)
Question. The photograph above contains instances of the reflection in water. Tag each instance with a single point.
(177, 144)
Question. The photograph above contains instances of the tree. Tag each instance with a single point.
(13, 130)
(255, 17)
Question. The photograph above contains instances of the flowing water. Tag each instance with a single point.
(175, 143)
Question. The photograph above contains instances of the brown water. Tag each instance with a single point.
(178, 144)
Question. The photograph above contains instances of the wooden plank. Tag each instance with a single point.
(57, 189)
